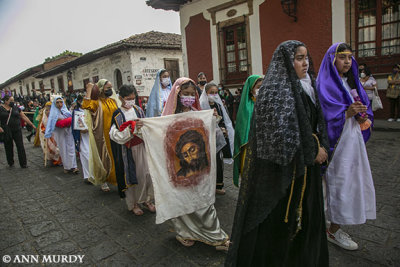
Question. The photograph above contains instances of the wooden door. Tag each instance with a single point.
(172, 66)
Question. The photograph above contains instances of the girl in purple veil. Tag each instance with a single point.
(349, 117)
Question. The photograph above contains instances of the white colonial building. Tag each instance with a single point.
(134, 60)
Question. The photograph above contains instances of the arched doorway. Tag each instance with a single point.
(118, 78)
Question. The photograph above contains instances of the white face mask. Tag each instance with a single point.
(212, 97)
(363, 75)
(165, 82)
(129, 103)
(256, 92)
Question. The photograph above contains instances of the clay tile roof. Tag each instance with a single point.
(153, 40)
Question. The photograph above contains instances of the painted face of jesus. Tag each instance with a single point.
(190, 152)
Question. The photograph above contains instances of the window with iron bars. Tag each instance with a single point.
(378, 28)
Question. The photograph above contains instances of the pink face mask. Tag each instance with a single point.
(187, 101)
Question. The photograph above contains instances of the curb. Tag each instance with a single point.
(386, 129)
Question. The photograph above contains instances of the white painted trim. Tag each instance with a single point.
(338, 21)
(255, 39)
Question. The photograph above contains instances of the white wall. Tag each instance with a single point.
(338, 21)
(128, 62)
(144, 71)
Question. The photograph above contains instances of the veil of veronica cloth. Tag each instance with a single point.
(181, 157)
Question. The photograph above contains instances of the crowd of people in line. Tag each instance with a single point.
(289, 135)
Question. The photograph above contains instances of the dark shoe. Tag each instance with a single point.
(11, 165)
(24, 166)
(29, 138)
(86, 181)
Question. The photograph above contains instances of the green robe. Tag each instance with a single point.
(242, 128)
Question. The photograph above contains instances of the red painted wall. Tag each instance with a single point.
(198, 47)
(313, 27)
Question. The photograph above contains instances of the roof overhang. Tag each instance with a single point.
(166, 4)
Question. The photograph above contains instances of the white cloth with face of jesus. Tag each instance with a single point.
(181, 158)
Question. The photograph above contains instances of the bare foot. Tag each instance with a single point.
(137, 210)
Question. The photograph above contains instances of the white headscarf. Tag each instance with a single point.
(204, 104)
(307, 87)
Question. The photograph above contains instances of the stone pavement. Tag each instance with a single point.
(46, 212)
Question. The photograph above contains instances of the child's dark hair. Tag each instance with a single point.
(163, 71)
(209, 86)
(367, 71)
(6, 98)
(350, 77)
(126, 90)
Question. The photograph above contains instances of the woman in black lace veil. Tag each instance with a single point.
(279, 218)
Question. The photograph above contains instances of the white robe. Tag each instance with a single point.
(143, 191)
(84, 153)
(66, 145)
(350, 188)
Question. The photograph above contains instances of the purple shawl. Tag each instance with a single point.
(334, 98)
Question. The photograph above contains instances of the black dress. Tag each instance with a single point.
(268, 240)
(226, 151)
(12, 131)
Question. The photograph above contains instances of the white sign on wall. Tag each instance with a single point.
(149, 74)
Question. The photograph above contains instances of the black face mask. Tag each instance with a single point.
(11, 104)
(108, 93)
(202, 83)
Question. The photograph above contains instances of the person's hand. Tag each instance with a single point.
(34, 127)
(84, 131)
(356, 107)
(1, 130)
(224, 131)
(139, 124)
(322, 156)
(361, 120)
(89, 87)
(215, 112)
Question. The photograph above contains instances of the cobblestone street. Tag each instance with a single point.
(46, 212)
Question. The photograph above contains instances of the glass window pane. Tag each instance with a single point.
(241, 34)
(366, 34)
(391, 30)
(242, 54)
(243, 66)
(366, 4)
(390, 11)
(367, 18)
(230, 56)
(231, 67)
(366, 50)
(230, 35)
(230, 47)
(391, 47)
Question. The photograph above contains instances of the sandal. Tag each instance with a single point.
(185, 242)
(137, 210)
(105, 188)
(149, 206)
(67, 171)
(75, 171)
(224, 246)
(220, 191)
